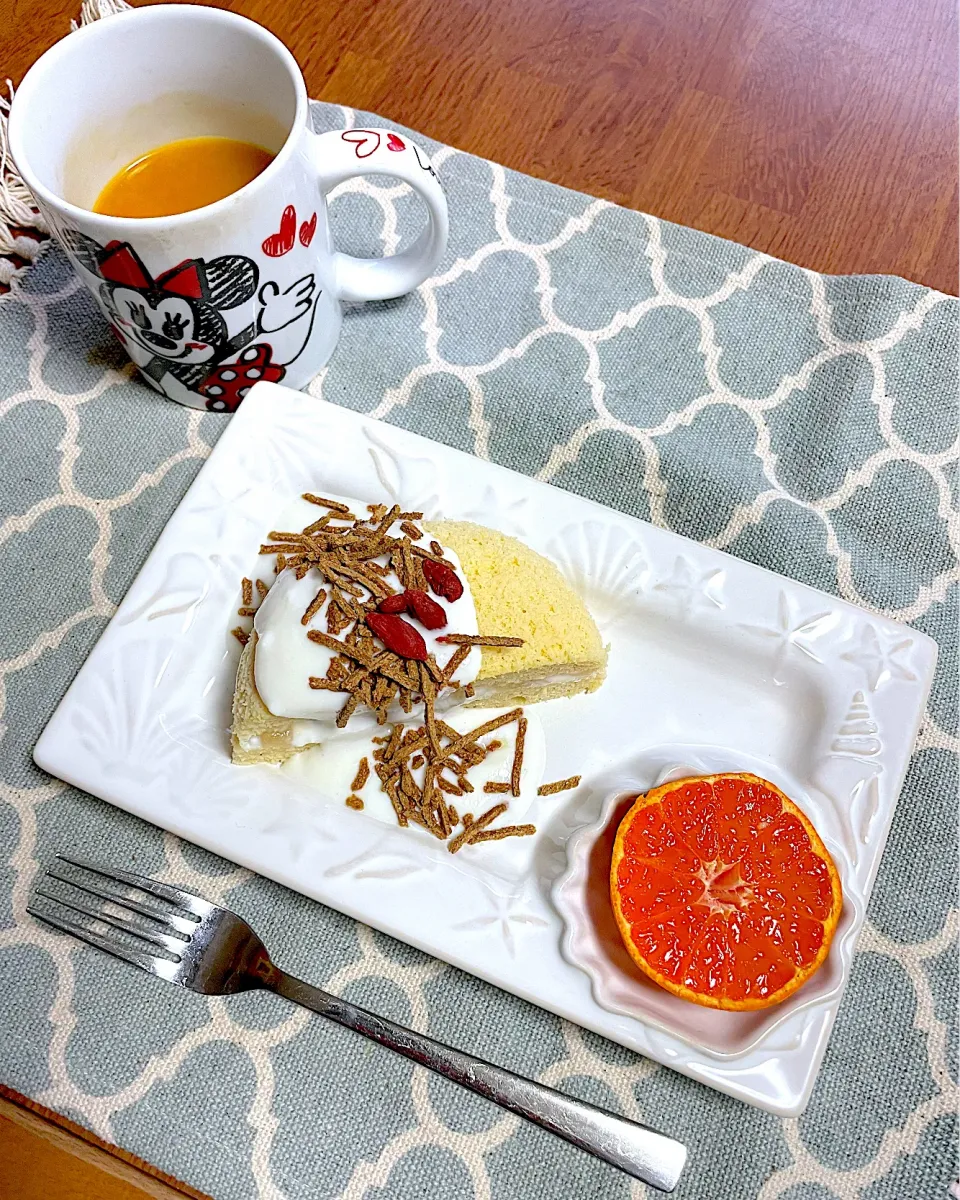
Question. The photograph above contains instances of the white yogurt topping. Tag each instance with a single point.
(286, 658)
(330, 768)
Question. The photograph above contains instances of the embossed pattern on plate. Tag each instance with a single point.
(706, 651)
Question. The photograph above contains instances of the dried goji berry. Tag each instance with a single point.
(443, 580)
(427, 611)
(397, 635)
(397, 603)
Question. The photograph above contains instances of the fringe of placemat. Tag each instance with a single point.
(96, 10)
(23, 230)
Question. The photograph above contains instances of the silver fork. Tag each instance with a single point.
(211, 950)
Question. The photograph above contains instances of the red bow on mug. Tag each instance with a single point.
(120, 264)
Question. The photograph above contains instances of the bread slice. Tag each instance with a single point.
(519, 593)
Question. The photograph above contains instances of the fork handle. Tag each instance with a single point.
(641, 1152)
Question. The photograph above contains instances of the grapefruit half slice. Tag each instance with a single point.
(723, 892)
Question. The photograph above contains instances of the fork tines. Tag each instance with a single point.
(96, 902)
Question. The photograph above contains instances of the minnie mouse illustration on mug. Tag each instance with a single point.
(177, 327)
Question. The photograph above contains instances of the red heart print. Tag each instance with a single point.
(278, 244)
(395, 143)
(365, 140)
(307, 230)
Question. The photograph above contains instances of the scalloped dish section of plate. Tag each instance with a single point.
(713, 667)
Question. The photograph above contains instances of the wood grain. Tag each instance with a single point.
(820, 131)
(43, 1156)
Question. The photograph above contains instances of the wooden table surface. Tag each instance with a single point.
(821, 131)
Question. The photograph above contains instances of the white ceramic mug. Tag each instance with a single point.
(209, 301)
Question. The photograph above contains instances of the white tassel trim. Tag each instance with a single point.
(16, 203)
(96, 10)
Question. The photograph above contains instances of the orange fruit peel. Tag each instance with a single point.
(723, 892)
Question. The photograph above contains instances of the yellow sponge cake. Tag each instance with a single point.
(299, 680)
(257, 735)
(519, 593)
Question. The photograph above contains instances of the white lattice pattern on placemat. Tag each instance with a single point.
(78, 412)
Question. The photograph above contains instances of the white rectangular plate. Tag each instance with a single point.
(709, 654)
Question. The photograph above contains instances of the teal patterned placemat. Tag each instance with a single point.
(803, 422)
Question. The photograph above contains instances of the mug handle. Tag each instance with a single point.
(345, 154)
